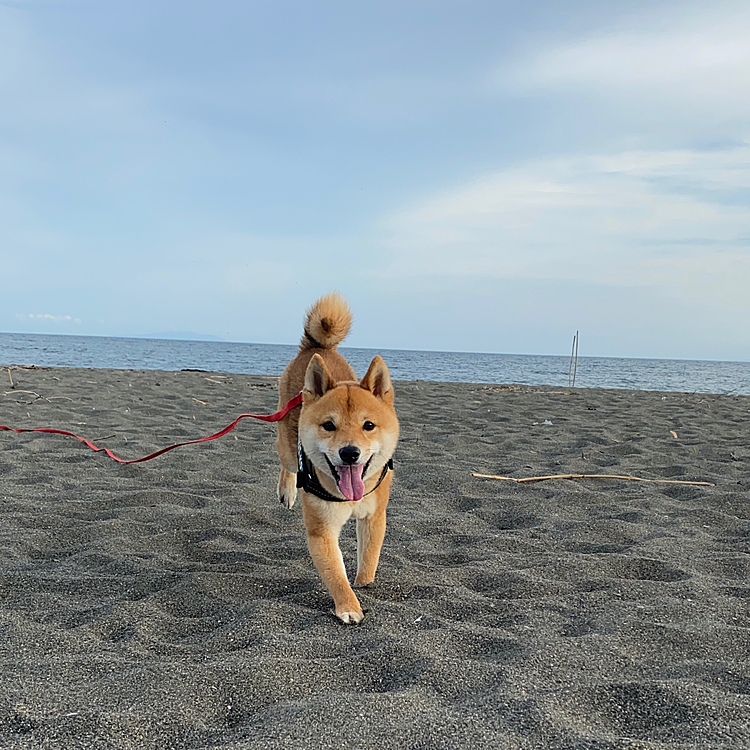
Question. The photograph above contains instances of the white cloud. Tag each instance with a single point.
(694, 61)
(48, 317)
(672, 218)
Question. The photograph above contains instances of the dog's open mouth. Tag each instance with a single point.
(350, 479)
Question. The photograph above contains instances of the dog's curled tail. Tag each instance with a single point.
(327, 323)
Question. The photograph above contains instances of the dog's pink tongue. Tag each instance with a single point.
(351, 485)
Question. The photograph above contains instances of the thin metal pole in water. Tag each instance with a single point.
(573, 366)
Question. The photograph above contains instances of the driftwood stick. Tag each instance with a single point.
(591, 476)
(12, 393)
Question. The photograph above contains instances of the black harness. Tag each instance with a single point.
(307, 479)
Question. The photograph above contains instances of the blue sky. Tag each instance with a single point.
(481, 176)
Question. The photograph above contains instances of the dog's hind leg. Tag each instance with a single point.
(287, 488)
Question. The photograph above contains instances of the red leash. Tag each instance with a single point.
(277, 416)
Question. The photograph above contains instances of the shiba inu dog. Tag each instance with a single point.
(337, 450)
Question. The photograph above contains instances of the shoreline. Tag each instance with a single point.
(708, 376)
(484, 385)
(173, 603)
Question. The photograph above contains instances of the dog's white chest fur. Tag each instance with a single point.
(337, 514)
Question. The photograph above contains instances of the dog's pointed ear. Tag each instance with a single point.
(378, 380)
(318, 379)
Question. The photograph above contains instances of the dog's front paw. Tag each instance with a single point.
(350, 616)
(287, 499)
(287, 488)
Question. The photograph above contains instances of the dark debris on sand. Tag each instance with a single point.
(173, 604)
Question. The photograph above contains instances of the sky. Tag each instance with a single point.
(474, 176)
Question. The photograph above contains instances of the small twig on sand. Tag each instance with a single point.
(591, 476)
(11, 393)
(105, 437)
(198, 401)
(12, 384)
(38, 396)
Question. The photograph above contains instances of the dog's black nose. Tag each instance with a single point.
(349, 454)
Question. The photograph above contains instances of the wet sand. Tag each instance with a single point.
(173, 604)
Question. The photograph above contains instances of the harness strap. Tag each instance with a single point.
(307, 479)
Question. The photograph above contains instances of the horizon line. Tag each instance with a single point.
(218, 340)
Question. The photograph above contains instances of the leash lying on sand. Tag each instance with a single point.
(293, 404)
(275, 417)
(591, 476)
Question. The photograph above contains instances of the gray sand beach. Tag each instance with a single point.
(173, 604)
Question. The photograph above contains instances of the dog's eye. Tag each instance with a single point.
(368, 425)
(328, 426)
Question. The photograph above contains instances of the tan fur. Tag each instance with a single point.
(327, 323)
(331, 393)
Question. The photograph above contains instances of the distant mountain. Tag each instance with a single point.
(179, 336)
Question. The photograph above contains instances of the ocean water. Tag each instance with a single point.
(270, 359)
